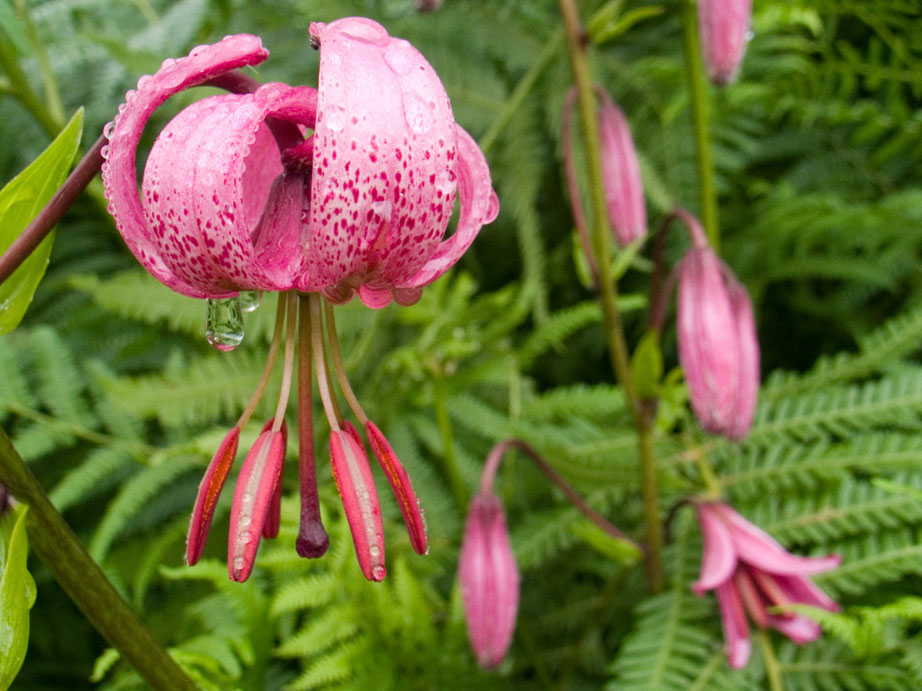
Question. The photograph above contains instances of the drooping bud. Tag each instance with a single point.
(360, 500)
(718, 348)
(253, 494)
(208, 492)
(723, 27)
(627, 211)
(489, 580)
(402, 487)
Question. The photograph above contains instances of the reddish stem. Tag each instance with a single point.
(492, 465)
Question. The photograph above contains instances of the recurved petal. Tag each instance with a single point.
(718, 558)
(402, 487)
(736, 630)
(118, 171)
(798, 628)
(761, 551)
(360, 501)
(479, 206)
(383, 182)
(801, 589)
(489, 580)
(252, 500)
(215, 214)
(208, 492)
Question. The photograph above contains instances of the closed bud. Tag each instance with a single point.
(718, 348)
(723, 26)
(627, 211)
(489, 580)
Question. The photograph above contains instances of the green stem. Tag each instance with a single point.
(450, 461)
(698, 97)
(83, 580)
(521, 91)
(23, 92)
(608, 291)
(772, 668)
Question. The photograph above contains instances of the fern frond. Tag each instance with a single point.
(872, 560)
(133, 497)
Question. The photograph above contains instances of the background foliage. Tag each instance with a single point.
(111, 393)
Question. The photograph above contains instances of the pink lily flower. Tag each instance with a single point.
(723, 27)
(750, 573)
(489, 580)
(718, 346)
(234, 198)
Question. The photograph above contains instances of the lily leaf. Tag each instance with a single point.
(17, 593)
(20, 202)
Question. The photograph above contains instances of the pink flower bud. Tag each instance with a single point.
(489, 580)
(627, 211)
(718, 348)
(723, 26)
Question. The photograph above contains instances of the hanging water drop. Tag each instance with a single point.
(250, 300)
(224, 323)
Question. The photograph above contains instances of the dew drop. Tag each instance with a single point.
(224, 323)
(245, 521)
(363, 30)
(400, 57)
(238, 563)
(144, 80)
(374, 551)
(383, 211)
(378, 572)
(334, 117)
(250, 300)
(417, 112)
(107, 130)
(245, 536)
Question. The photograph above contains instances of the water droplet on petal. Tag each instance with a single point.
(224, 323)
(363, 30)
(250, 300)
(238, 563)
(400, 57)
(374, 550)
(334, 117)
(245, 536)
(107, 130)
(418, 113)
(383, 211)
(378, 572)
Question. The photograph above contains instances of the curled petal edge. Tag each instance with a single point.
(118, 171)
(479, 205)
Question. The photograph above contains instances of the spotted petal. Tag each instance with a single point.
(209, 179)
(118, 172)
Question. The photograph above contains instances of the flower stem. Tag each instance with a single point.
(772, 668)
(698, 98)
(41, 225)
(608, 292)
(492, 465)
(449, 460)
(83, 580)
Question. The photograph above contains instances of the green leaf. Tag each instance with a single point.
(17, 594)
(20, 202)
(647, 365)
(621, 551)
